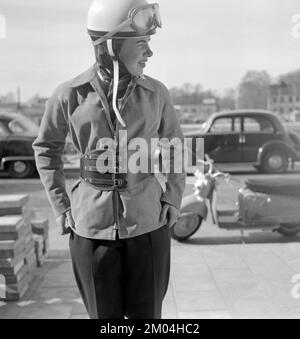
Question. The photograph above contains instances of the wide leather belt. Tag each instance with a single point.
(91, 174)
(106, 181)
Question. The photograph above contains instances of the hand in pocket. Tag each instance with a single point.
(169, 213)
(65, 222)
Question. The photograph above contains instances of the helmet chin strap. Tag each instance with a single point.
(116, 81)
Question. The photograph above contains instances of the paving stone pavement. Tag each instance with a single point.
(208, 281)
(217, 274)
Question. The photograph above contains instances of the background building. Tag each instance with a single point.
(197, 113)
(284, 99)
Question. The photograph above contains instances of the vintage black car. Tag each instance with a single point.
(17, 134)
(253, 137)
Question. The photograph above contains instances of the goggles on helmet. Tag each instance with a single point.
(143, 20)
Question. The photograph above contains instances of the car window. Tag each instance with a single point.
(258, 125)
(251, 125)
(19, 124)
(222, 125)
(238, 124)
(226, 125)
(15, 127)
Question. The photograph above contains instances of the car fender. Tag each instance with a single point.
(275, 145)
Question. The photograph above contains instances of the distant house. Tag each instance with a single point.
(285, 101)
(35, 108)
(197, 113)
(7, 107)
(209, 107)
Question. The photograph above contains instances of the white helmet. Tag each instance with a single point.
(121, 19)
(109, 19)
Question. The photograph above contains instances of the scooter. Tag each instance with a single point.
(263, 204)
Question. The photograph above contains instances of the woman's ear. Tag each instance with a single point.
(117, 45)
(102, 56)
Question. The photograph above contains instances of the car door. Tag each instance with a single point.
(257, 130)
(3, 136)
(222, 142)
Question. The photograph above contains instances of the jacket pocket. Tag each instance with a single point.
(92, 209)
(143, 206)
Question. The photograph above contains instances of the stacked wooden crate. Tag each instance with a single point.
(17, 247)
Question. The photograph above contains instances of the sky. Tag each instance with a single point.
(207, 42)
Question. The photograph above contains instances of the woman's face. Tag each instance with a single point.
(134, 54)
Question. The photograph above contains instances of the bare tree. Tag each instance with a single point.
(253, 90)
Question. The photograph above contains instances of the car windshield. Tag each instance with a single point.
(20, 125)
(207, 123)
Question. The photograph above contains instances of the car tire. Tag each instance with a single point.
(289, 230)
(21, 169)
(275, 162)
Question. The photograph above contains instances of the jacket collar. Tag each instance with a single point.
(84, 77)
(145, 83)
(91, 73)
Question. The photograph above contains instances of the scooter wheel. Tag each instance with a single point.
(186, 226)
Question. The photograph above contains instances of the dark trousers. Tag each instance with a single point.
(125, 277)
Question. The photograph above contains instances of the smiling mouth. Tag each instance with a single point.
(143, 63)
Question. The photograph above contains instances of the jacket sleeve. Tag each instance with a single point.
(170, 133)
(48, 150)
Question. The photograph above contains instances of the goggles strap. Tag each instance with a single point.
(109, 35)
(116, 81)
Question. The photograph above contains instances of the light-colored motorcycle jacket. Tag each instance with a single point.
(79, 107)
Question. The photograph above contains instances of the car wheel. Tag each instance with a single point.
(289, 230)
(21, 169)
(275, 162)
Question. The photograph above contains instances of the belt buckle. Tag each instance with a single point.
(118, 182)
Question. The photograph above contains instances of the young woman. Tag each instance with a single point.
(119, 219)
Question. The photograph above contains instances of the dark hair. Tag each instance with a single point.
(104, 59)
(117, 43)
